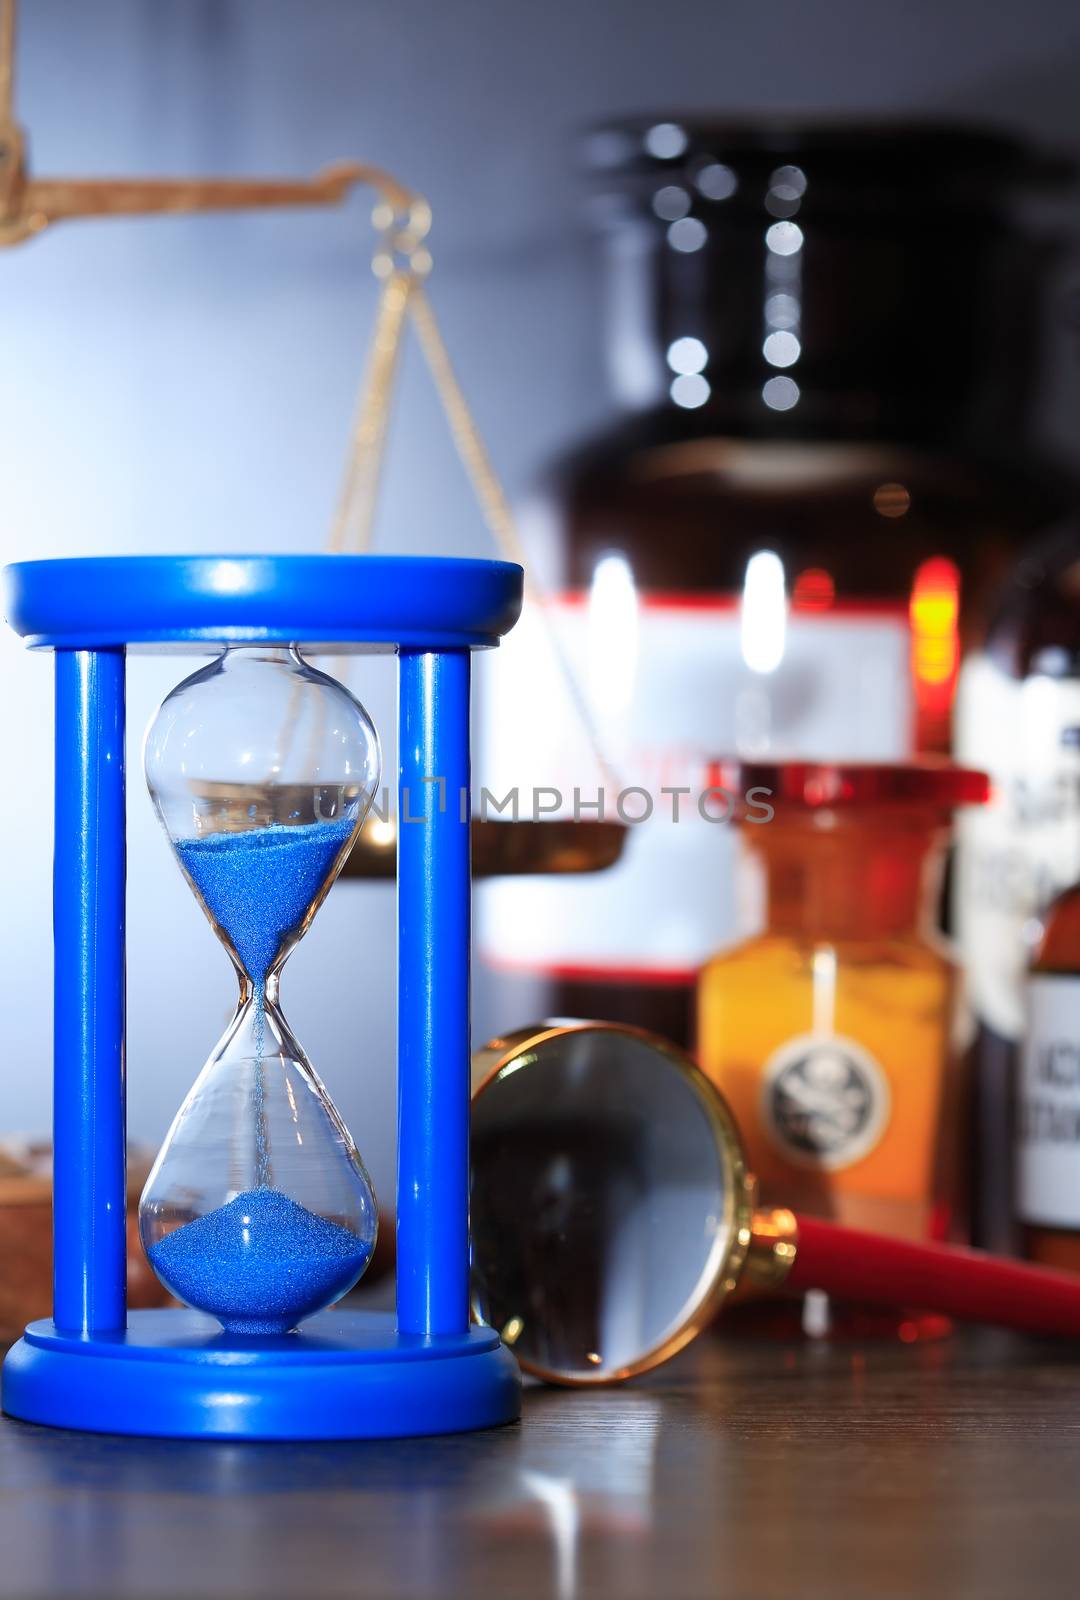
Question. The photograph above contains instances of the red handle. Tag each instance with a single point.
(966, 1284)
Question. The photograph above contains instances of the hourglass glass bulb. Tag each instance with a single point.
(258, 1208)
(260, 753)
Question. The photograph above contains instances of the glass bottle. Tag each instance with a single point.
(823, 342)
(1048, 1121)
(258, 1209)
(829, 1031)
(1018, 718)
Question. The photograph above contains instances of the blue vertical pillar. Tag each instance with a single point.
(89, 1185)
(433, 992)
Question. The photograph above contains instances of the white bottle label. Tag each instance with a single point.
(1019, 851)
(824, 1101)
(667, 684)
(1048, 1155)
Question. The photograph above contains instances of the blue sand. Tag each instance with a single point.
(259, 1264)
(259, 885)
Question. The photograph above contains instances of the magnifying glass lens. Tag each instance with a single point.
(602, 1213)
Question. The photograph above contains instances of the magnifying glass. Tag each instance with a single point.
(613, 1210)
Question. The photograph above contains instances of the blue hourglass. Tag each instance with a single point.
(258, 1213)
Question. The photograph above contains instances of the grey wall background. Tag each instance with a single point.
(187, 384)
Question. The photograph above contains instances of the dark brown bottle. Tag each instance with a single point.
(1048, 1125)
(823, 339)
(1019, 716)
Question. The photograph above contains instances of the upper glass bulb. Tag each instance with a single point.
(258, 1208)
(262, 771)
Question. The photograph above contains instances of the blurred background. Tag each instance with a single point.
(187, 384)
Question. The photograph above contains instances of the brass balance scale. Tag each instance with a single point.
(402, 261)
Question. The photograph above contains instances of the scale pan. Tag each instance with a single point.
(503, 849)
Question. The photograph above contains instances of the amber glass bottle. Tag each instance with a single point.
(830, 1030)
(1048, 1100)
(822, 340)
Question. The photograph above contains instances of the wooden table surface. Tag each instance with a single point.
(753, 1470)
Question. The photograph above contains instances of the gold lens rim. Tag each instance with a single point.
(526, 1048)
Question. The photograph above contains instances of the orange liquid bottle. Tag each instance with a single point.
(830, 1031)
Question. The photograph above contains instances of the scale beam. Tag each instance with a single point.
(29, 205)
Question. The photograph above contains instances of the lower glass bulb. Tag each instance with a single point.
(258, 1209)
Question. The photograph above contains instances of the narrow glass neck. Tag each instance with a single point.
(850, 880)
(244, 654)
(265, 991)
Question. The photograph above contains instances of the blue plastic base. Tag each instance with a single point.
(344, 1375)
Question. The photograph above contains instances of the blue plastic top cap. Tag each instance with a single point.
(353, 602)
